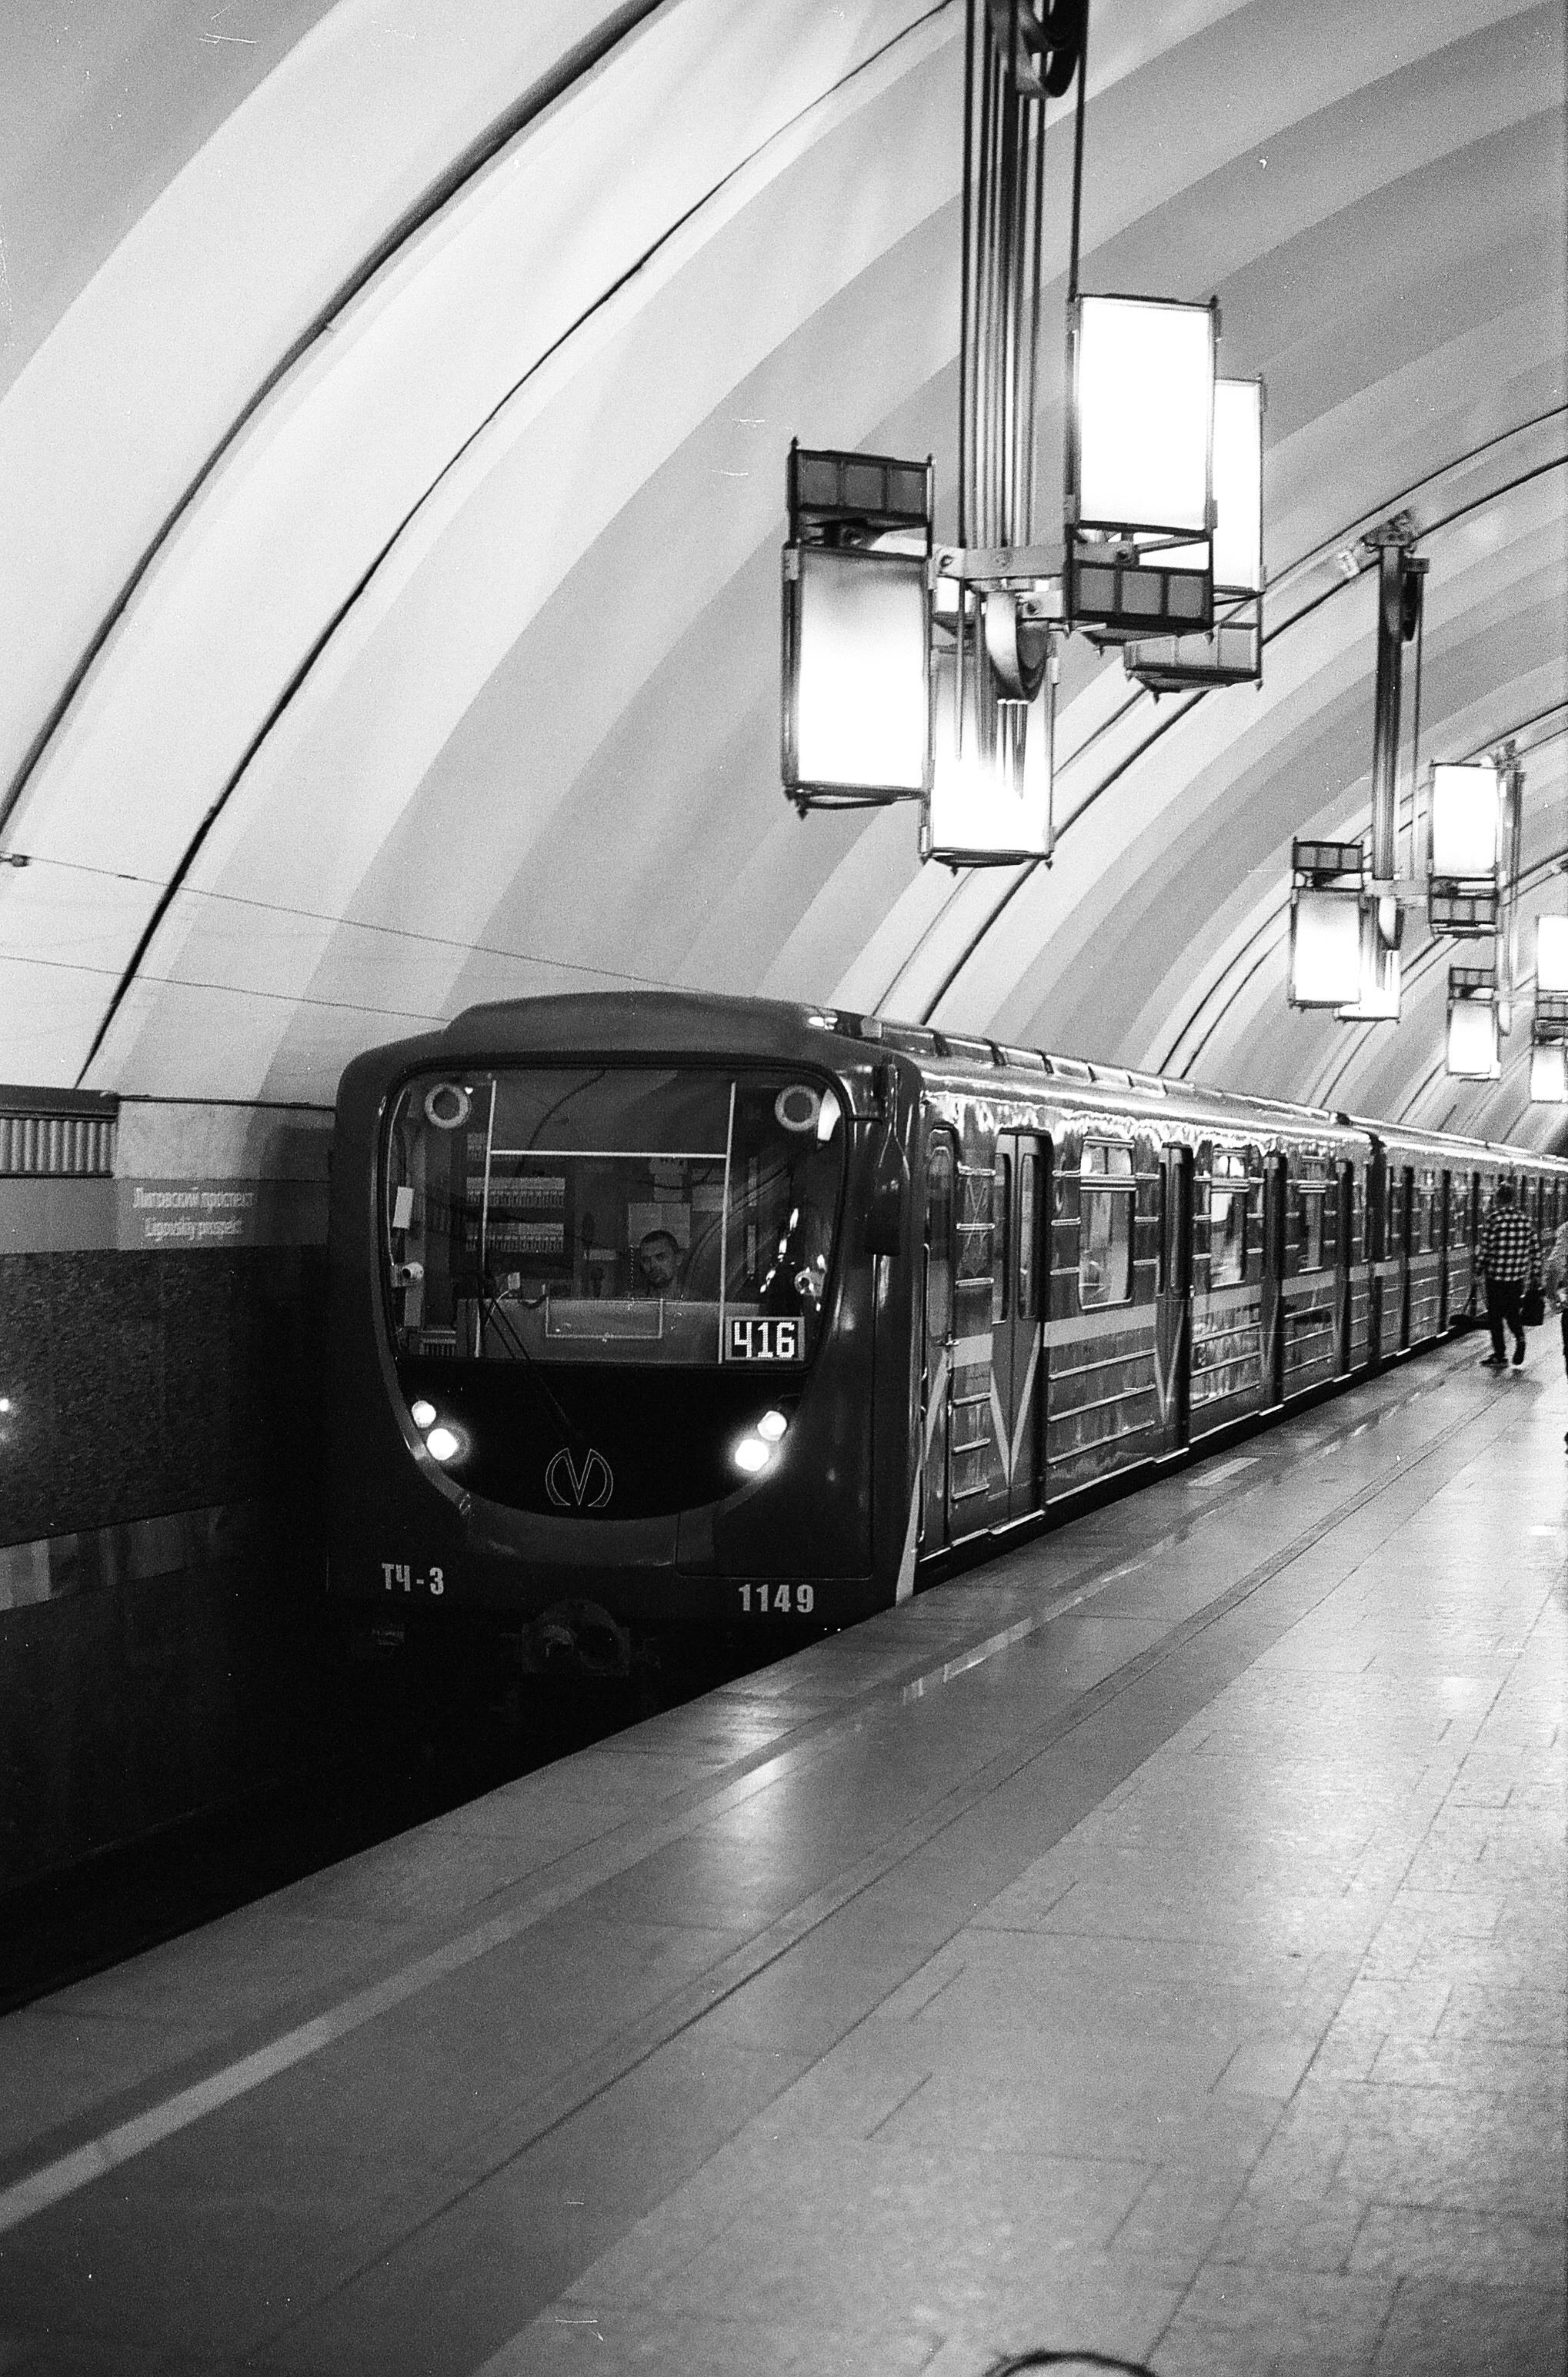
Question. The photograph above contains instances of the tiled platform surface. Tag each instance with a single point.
(1154, 1941)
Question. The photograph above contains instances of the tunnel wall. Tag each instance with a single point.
(160, 1364)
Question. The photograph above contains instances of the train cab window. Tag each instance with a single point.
(611, 1213)
(1002, 1249)
(1107, 1197)
(1230, 1196)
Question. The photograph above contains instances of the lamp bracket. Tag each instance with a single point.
(1323, 866)
(1036, 566)
(1398, 530)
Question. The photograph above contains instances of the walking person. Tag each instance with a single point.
(1509, 1254)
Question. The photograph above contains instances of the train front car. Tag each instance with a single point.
(606, 1326)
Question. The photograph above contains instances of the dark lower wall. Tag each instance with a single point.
(160, 1572)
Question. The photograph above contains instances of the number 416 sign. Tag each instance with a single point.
(765, 1340)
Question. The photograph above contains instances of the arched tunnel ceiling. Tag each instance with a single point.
(392, 429)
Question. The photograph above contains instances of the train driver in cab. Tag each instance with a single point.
(656, 1270)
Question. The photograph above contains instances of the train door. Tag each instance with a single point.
(1380, 1332)
(1444, 1225)
(1344, 1256)
(1272, 1308)
(1023, 1189)
(1173, 1300)
(1408, 1242)
(936, 1376)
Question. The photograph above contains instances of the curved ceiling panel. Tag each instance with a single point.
(414, 639)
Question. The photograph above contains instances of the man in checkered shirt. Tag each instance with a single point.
(1510, 1260)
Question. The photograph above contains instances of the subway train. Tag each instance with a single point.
(665, 1317)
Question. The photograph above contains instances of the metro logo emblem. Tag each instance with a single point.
(588, 1487)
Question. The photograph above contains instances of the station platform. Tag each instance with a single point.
(1154, 1941)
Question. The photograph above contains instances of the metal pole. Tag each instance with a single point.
(1385, 712)
(1077, 153)
(966, 292)
(1034, 318)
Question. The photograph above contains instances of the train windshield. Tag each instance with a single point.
(611, 1214)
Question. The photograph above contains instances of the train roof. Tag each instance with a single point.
(649, 1021)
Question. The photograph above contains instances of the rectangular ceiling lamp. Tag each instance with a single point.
(1140, 466)
(1549, 1074)
(1379, 998)
(1466, 823)
(1231, 653)
(1325, 947)
(857, 682)
(989, 808)
(1552, 955)
(1472, 1053)
(1142, 424)
(1238, 486)
(857, 628)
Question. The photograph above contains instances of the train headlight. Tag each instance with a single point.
(442, 1444)
(422, 1414)
(752, 1454)
(771, 1427)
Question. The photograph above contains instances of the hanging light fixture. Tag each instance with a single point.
(1374, 997)
(1326, 911)
(1548, 1023)
(1549, 1074)
(1139, 511)
(1383, 927)
(1464, 811)
(857, 630)
(1551, 956)
(990, 790)
(1473, 1048)
(1231, 653)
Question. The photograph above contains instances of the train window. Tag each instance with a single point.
(1229, 1198)
(1312, 1188)
(939, 1250)
(1108, 1194)
(977, 1191)
(1029, 1231)
(1001, 1200)
(611, 1213)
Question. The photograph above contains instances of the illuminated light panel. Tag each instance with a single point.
(1237, 492)
(1548, 1074)
(771, 1427)
(1379, 998)
(1238, 484)
(1326, 949)
(422, 1414)
(976, 810)
(752, 1454)
(1472, 1040)
(1551, 954)
(442, 1444)
(861, 701)
(1144, 413)
(1466, 819)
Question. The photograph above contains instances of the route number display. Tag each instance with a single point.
(766, 1340)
